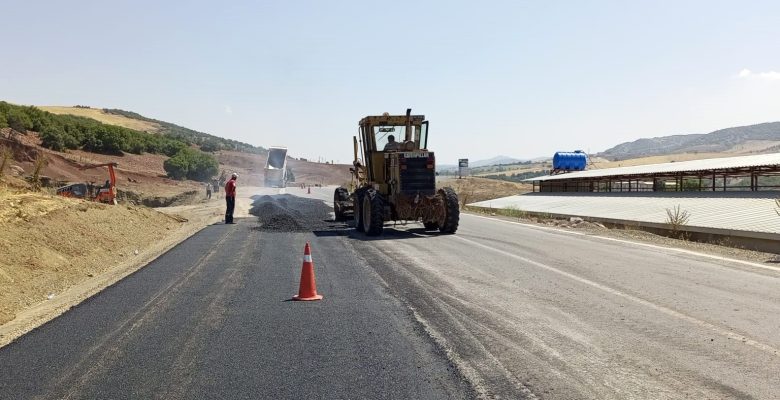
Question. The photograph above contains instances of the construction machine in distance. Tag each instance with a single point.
(102, 194)
(395, 181)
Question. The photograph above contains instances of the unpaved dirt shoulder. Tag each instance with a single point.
(58, 252)
(48, 272)
(578, 225)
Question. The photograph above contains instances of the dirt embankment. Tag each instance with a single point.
(50, 244)
(189, 197)
(251, 168)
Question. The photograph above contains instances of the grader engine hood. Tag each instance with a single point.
(417, 173)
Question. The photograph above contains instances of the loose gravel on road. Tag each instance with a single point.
(287, 213)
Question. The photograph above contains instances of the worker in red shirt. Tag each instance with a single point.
(230, 198)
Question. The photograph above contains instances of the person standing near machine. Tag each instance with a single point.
(230, 198)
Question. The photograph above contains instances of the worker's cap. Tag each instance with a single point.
(235, 175)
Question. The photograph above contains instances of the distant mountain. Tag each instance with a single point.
(494, 161)
(480, 163)
(760, 138)
(498, 160)
(446, 167)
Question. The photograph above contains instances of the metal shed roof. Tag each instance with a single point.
(761, 160)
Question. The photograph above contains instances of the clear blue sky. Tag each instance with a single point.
(516, 78)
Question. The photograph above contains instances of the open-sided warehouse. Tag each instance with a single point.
(734, 198)
(743, 173)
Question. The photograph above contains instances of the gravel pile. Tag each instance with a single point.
(287, 213)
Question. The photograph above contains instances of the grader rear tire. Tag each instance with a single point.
(373, 213)
(452, 210)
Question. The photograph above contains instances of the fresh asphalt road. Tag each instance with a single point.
(534, 312)
(521, 311)
(211, 319)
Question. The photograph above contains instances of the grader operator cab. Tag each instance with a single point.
(395, 179)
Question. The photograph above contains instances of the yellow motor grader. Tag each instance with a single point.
(395, 179)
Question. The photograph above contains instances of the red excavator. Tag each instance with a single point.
(103, 194)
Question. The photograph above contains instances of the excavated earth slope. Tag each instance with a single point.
(49, 243)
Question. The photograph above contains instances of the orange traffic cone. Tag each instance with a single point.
(308, 288)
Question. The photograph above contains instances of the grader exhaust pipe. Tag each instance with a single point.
(408, 135)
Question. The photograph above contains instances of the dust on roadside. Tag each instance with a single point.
(474, 189)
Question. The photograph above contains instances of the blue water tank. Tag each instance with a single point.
(570, 161)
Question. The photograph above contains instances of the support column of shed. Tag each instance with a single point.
(753, 180)
(713, 181)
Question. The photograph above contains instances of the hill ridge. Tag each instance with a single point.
(721, 140)
(133, 120)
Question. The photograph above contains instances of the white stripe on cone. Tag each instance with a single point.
(307, 258)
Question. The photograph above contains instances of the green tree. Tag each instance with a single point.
(39, 119)
(61, 132)
(113, 140)
(18, 120)
(191, 164)
(53, 138)
(89, 141)
(203, 167)
(210, 146)
(135, 144)
(171, 147)
(177, 166)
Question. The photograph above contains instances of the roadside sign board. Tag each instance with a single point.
(463, 167)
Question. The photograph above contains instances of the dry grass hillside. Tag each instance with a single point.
(757, 138)
(251, 168)
(104, 117)
(604, 163)
(473, 189)
(509, 170)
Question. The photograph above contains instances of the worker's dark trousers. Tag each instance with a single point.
(231, 205)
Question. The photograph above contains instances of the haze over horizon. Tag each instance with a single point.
(513, 78)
